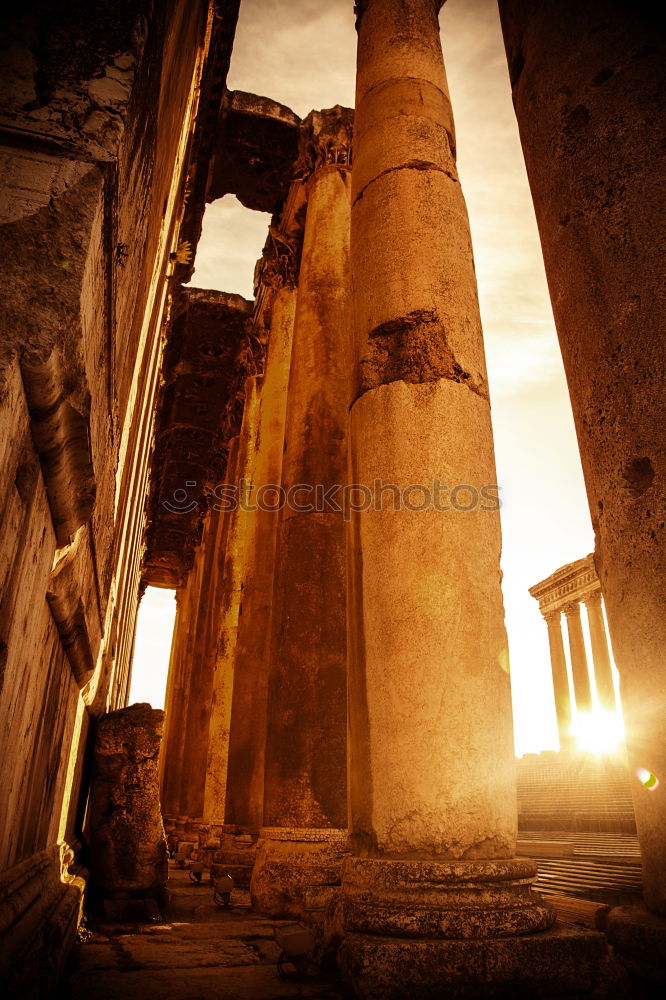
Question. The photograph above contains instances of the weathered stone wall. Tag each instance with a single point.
(96, 118)
(588, 86)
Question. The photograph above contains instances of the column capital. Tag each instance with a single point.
(360, 7)
(572, 609)
(593, 600)
(278, 265)
(325, 138)
(552, 617)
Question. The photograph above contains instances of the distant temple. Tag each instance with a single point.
(564, 591)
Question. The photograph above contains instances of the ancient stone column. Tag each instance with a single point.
(127, 845)
(603, 675)
(587, 81)
(305, 803)
(579, 670)
(169, 766)
(174, 750)
(558, 667)
(247, 740)
(227, 636)
(434, 889)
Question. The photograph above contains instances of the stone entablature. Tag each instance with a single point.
(564, 591)
(571, 583)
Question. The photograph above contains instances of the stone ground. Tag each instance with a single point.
(201, 953)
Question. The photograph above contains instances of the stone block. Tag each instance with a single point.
(563, 960)
(127, 842)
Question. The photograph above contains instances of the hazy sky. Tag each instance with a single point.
(302, 53)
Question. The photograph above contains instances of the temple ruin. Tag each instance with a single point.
(337, 736)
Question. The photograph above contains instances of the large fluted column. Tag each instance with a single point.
(588, 80)
(305, 803)
(603, 675)
(176, 750)
(579, 668)
(558, 666)
(218, 725)
(227, 634)
(435, 889)
(247, 740)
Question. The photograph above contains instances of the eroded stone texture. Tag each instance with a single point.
(247, 740)
(233, 574)
(257, 142)
(127, 843)
(562, 961)
(588, 80)
(431, 775)
(430, 663)
(305, 774)
(98, 108)
(290, 864)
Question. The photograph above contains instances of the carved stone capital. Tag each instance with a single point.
(572, 610)
(325, 138)
(552, 618)
(361, 5)
(278, 265)
(250, 360)
(593, 600)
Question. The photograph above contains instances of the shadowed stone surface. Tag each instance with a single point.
(639, 940)
(257, 143)
(588, 87)
(127, 842)
(202, 952)
(191, 437)
(562, 962)
(286, 869)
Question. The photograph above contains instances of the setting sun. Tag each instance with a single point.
(598, 732)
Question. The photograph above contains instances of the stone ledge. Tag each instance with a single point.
(564, 960)
(639, 940)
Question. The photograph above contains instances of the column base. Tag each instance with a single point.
(563, 961)
(443, 899)
(639, 941)
(236, 856)
(289, 861)
(415, 929)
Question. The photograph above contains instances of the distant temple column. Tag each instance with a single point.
(587, 80)
(434, 888)
(305, 802)
(564, 590)
(603, 676)
(558, 666)
(579, 668)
